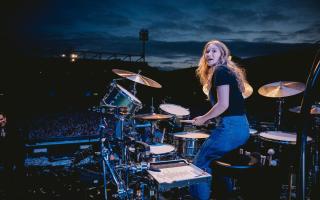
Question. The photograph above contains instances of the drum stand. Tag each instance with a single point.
(280, 102)
(316, 166)
(123, 190)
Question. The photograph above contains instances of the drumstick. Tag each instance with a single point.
(190, 121)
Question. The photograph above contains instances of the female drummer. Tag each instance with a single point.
(223, 82)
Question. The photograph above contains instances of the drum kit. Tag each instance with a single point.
(136, 142)
(132, 143)
(283, 143)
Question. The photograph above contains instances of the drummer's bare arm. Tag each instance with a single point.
(216, 110)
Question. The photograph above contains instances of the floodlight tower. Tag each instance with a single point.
(143, 36)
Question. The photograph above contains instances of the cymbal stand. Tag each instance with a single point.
(121, 189)
(153, 122)
(105, 153)
(280, 102)
(316, 166)
(152, 107)
(124, 146)
(134, 89)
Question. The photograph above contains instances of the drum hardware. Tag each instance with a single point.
(153, 118)
(315, 109)
(279, 90)
(120, 103)
(259, 159)
(284, 140)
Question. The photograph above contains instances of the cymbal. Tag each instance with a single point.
(248, 90)
(137, 78)
(153, 116)
(315, 109)
(281, 89)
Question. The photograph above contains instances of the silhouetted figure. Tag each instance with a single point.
(12, 156)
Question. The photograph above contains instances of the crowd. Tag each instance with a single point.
(61, 125)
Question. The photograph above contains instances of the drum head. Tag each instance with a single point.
(160, 148)
(280, 137)
(129, 94)
(175, 109)
(191, 135)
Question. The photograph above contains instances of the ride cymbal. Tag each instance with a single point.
(138, 78)
(281, 89)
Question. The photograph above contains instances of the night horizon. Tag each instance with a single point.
(177, 30)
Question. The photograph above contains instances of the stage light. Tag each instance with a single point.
(73, 55)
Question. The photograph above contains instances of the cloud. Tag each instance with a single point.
(217, 29)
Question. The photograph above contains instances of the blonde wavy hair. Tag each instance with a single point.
(205, 72)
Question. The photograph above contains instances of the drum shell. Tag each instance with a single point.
(285, 150)
(170, 154)
(188, 147)
(120, 97)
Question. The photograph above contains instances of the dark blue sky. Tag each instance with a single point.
(177, 29)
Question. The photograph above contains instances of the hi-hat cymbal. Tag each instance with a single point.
(281, 89)
(315, 109)
(248, 90)
(153, 116)
(137, 78)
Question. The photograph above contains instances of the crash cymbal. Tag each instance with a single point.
(315, 109)
(281, 89)
(137, 78)
(153, 116)
(248, 90)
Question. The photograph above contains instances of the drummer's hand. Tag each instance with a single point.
(199, 121)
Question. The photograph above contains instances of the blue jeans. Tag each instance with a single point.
(229, 133)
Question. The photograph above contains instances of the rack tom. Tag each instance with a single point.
(120, 97)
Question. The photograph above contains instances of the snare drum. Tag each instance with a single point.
(188, 143)
(120, 97)
(160, 151)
